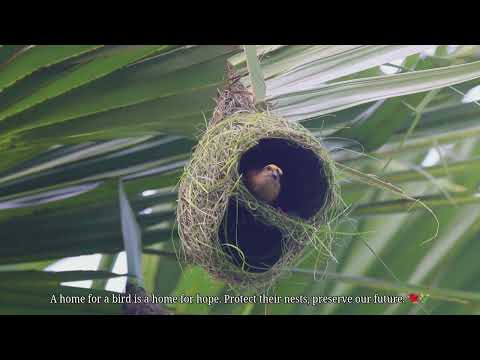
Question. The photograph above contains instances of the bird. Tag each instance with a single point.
(265, 183)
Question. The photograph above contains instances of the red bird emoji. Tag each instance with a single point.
(414, 298)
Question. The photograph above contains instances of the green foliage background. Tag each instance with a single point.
(74, 119)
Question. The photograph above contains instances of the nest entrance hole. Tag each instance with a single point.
(256, 246)
(250, 244)
(304, 186)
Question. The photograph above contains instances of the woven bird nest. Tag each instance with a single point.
(225, 229)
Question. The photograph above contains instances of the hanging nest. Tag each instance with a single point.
(223, 227)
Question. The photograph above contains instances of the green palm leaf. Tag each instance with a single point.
(75, 119)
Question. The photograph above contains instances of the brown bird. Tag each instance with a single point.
(265, 183)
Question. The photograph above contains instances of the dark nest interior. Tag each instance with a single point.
(252, 244)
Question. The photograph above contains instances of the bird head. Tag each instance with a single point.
(265, 183)
(274, 171)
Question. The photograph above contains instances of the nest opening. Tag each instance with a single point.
(249, 243)
(300, 166)
(256, 246)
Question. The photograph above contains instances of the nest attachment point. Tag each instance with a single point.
(225, 229)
